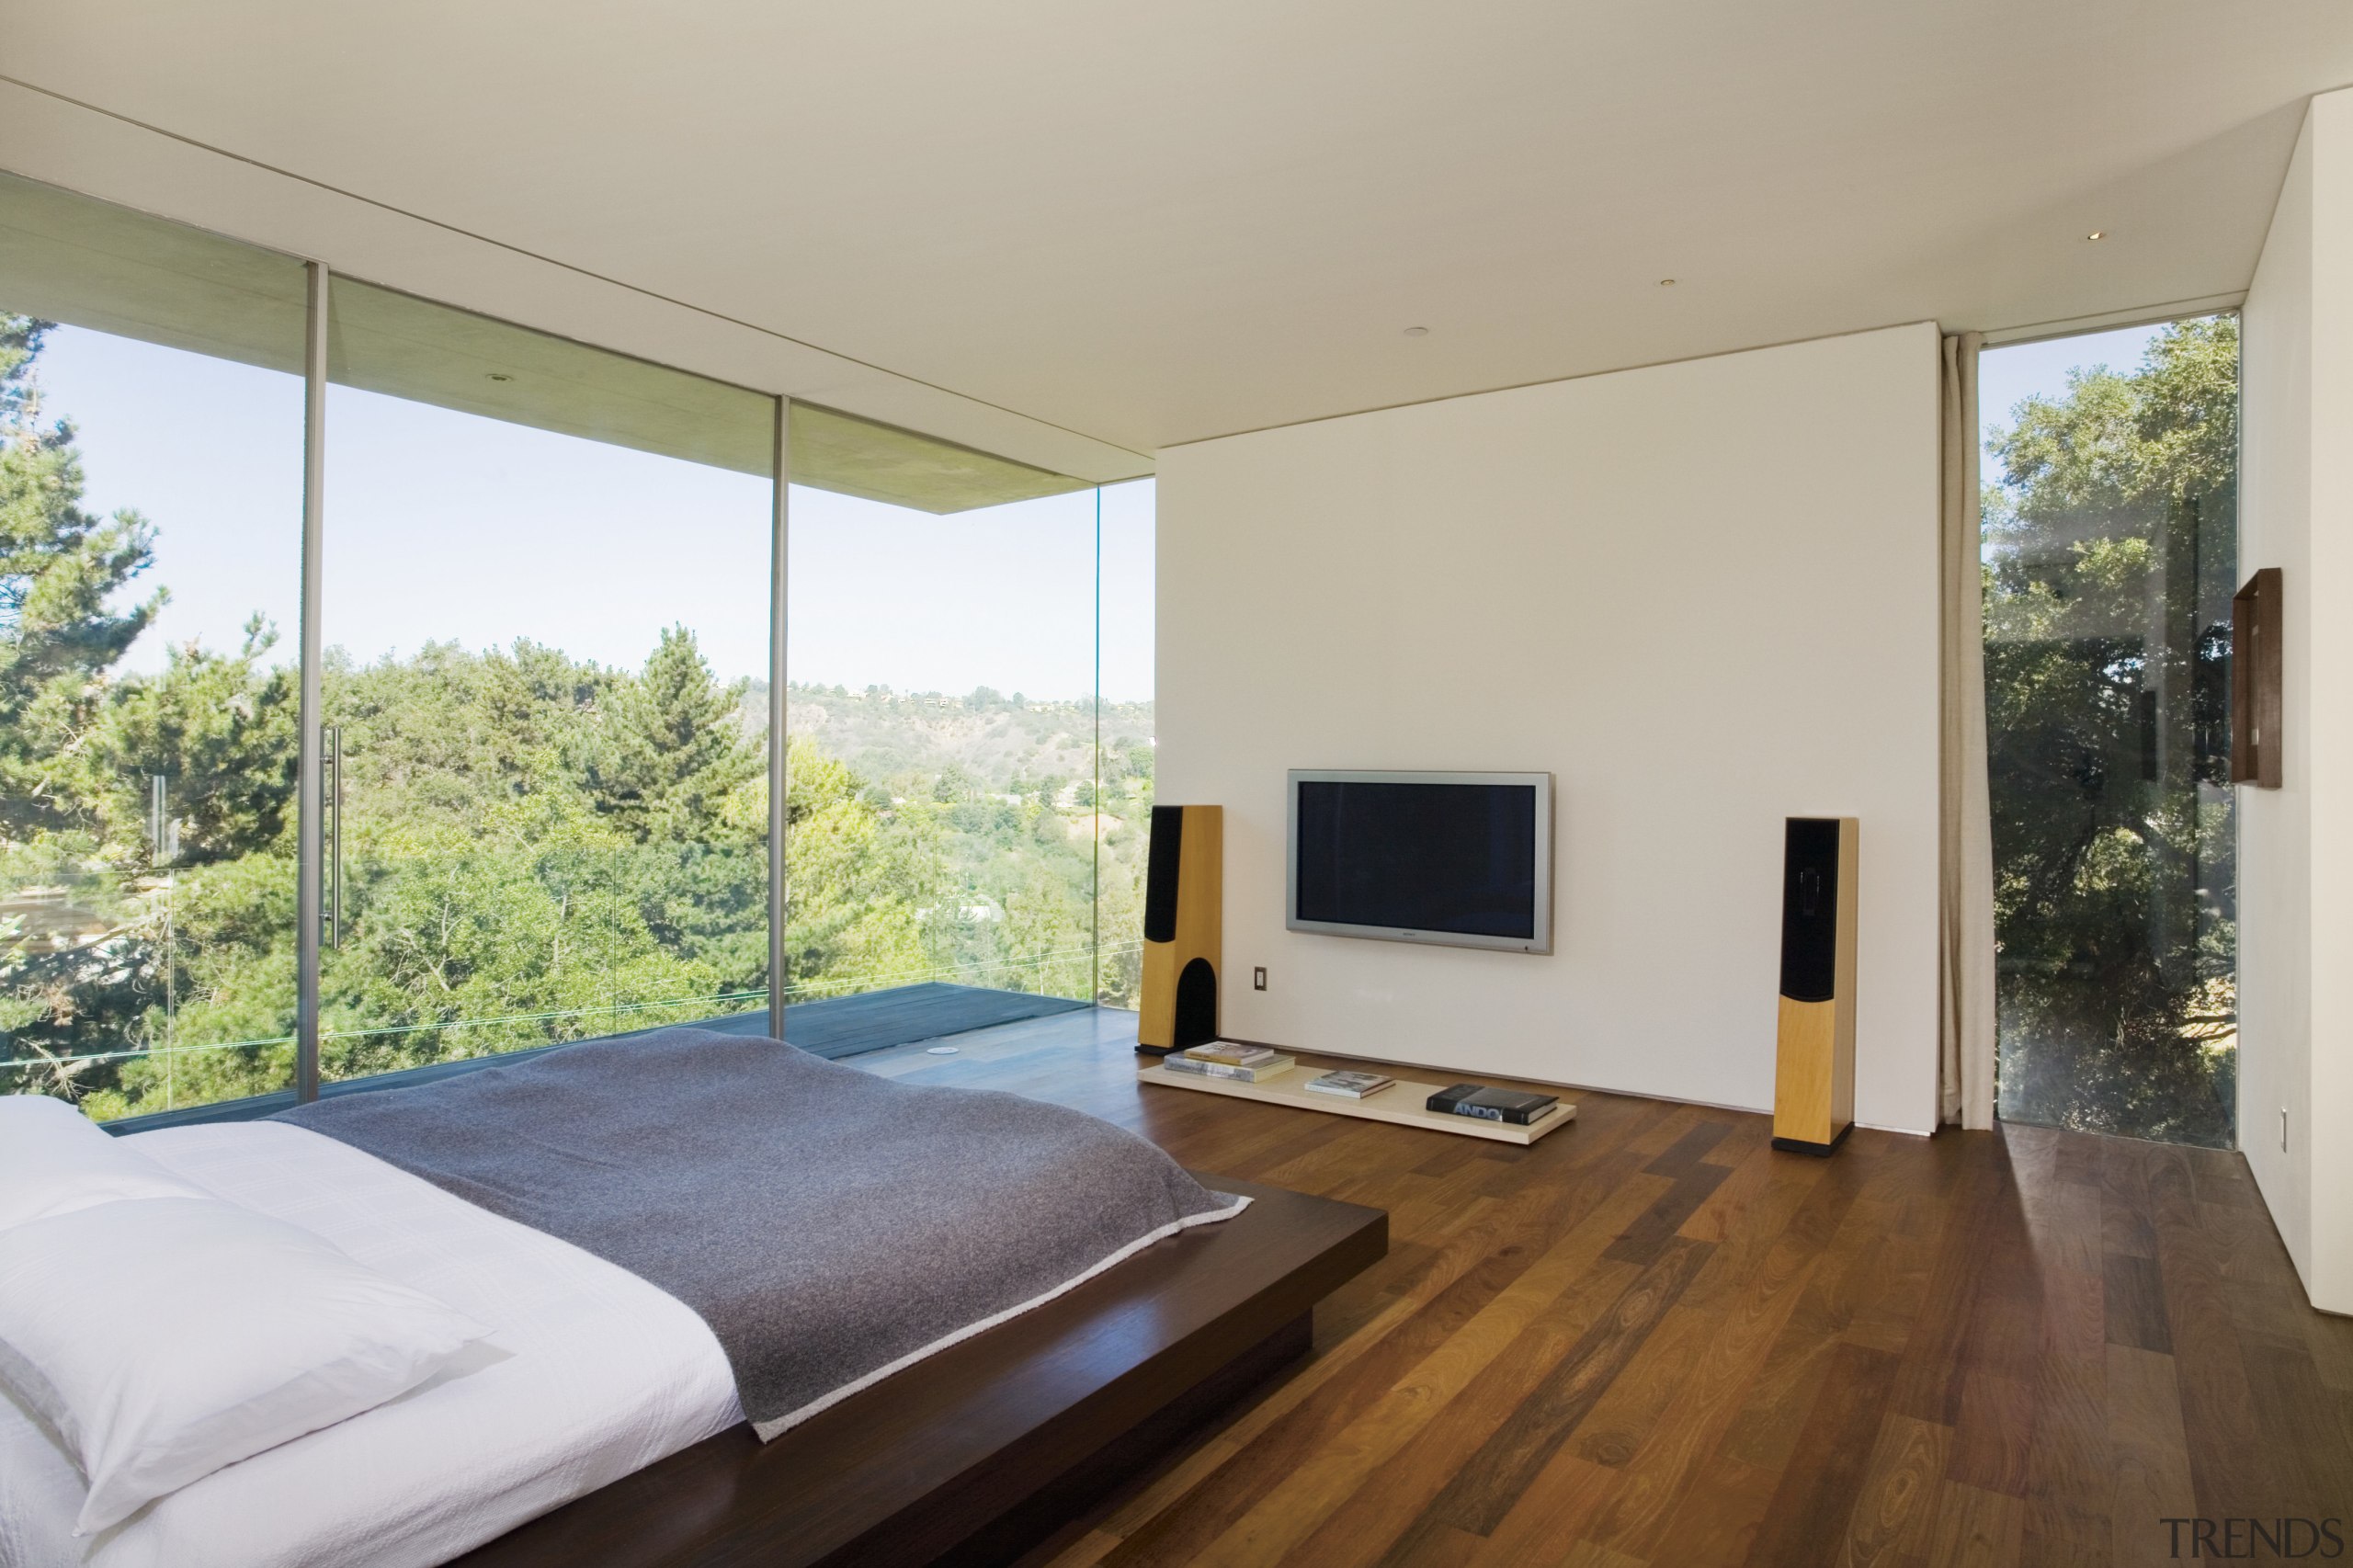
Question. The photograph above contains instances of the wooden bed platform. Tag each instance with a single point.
(986, 1449)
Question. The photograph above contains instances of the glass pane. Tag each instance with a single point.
(942, 727)
(2111, 512)
(1124, 761)
(546, 605)
(151, 474)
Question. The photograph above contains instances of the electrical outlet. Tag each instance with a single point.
(1258, 983)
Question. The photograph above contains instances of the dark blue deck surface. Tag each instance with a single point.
(834, 1027)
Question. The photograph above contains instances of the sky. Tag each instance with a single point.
(442, 525)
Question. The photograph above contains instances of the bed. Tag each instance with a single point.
(604, 1410)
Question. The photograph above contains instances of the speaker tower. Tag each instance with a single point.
(1184, 911)
(1814, 1080)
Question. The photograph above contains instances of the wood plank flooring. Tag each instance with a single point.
(1654, 1340)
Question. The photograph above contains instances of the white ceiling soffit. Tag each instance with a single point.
(390, 342)
(68, 257)
(1151, 224)
(146, 259)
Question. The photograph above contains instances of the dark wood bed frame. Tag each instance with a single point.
(976, 1454)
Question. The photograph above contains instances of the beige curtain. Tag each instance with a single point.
(1965, 923)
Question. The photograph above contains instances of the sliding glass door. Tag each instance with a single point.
(545, 606)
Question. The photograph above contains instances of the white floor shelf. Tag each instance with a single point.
(1401, 1103)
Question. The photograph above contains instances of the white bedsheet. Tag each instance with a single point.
(590, 1373)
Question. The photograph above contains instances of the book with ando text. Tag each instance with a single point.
(1510, 1106)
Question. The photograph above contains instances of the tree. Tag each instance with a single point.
(219, 729)
(70, 953)
(61, 567)
(2107, 588)
(856, 878)
(534, 847)
(677, 745)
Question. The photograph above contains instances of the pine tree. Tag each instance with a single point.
(223, 729)
(678, 745)
(59, 569)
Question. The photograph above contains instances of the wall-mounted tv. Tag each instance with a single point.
(1461, 859)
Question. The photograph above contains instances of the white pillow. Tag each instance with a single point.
(166, 1338)
(54, 1160)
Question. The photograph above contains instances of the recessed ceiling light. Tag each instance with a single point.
(500, 376)
(1417, 332)
(1666, 282)
(2097, 234)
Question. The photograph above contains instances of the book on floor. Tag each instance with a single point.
(1511, 1106)
(1351, 1085)
(1258, 1073)
(1233, 1054)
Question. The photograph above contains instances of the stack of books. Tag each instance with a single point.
(1349, 1085)
(1224, 1059)
(1493, 1104)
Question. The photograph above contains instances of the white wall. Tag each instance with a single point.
(2275, 825)
(1702, 595)
(2296, 842)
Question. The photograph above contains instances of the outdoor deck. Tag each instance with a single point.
(832, 1027)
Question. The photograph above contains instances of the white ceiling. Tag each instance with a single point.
(1153, 224)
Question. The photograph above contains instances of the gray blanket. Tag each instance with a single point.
(826, 1224)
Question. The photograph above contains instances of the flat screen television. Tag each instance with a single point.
(1460, 859)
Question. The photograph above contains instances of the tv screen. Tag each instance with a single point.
(1463, 859)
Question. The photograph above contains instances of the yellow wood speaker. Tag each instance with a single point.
(1184, 913)
(1814, 1081)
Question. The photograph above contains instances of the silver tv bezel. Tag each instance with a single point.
(1541, 942)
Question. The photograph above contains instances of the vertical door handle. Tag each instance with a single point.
(331, 751)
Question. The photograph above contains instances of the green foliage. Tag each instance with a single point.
(856, 878)
(222, 730)
(537, 848)
(61, 568)
(2110, 569)
(677, 746)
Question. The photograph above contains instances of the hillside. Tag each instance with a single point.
(1004, 744)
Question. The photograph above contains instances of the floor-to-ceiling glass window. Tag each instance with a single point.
(546, 606)
(2110, 514)
(943, 765)
(546, 617)
(150, 510)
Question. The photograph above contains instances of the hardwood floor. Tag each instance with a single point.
(1652, 1339)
